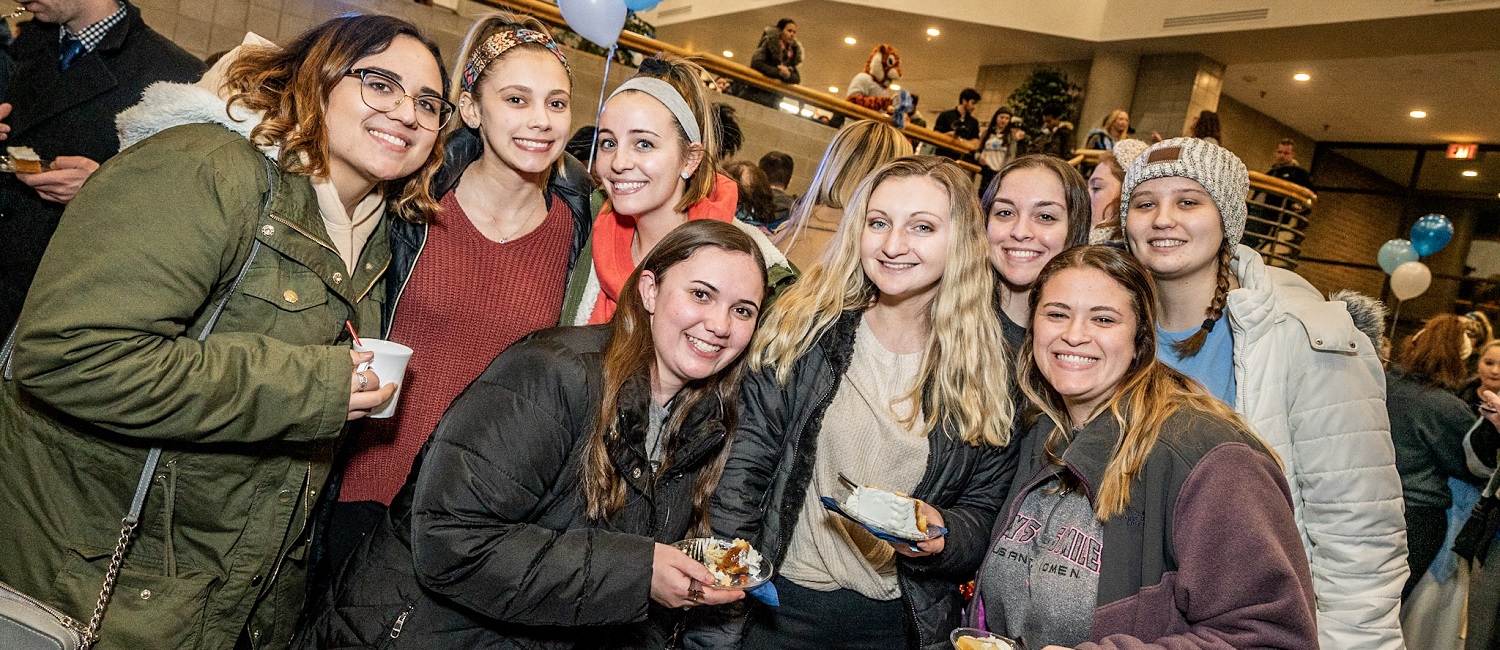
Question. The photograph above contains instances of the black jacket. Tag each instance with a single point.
(766, 478)
(70, 113)
(488, 545)
(1427, 427)
(768, 54)
(570, 182)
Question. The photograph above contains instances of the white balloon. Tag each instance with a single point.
(1410, 280)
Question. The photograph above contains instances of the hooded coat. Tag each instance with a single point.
(106, 365)
(1310, 384)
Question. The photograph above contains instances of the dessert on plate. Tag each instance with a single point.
(889, 511)
(734, 565)
(981, 643)
(24, 159)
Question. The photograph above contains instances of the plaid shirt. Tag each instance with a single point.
(94, 34)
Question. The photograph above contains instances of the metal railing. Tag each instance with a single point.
(549, 14)
(1279, 212)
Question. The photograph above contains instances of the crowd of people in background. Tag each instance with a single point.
(1125, 429)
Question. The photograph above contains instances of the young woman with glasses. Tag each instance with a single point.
(513, 214)
(109, 361)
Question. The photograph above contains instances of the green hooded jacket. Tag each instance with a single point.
(106, 365)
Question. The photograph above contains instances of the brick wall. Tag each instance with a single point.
(1349, 227)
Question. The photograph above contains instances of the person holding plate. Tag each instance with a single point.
(540, 513)
(1144, 513)
(884, 365)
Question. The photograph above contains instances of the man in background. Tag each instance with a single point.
(1057, 135)
(1286, 166)
(78, 63)
(778, 168)
(960, 123)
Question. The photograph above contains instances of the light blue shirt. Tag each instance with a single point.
(1213, 366)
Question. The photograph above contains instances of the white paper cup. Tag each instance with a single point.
(390, 365)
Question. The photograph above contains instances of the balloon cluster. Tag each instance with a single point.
(600, 21)
(1398, 257)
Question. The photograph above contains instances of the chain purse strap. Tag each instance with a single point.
(132, 518)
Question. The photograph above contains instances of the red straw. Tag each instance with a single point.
(350, 327)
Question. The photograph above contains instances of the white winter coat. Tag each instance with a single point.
(1311, 385)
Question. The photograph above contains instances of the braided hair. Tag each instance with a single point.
(1191, 345)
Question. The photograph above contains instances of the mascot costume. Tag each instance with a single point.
(871, 88)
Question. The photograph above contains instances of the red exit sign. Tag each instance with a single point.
(1463, 151)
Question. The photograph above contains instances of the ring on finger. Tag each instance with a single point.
(695, 594)
(364, 382)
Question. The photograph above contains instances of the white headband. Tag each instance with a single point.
(670, 98)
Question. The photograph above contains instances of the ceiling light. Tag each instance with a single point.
(1418, 114)
(1302, 76)
(789, 107)
(895, 86)
(1470, 173)
(833, 89)
(849, 40)
(933, 31)
(728, 54)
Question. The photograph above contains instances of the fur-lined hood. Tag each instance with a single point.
(164, 105)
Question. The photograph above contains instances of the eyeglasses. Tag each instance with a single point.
(385, 94)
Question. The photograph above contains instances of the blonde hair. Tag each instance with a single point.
(1149, 394)
(856, 150)
(1109, 120)
(963, 379)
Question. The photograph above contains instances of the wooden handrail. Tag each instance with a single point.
(550, 14)
(1258, 181)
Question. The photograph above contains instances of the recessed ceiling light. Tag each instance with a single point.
(849, 40)
(1302, 76)
(895, 86)
(1470, 173)
(833, 89)
(728, 54)
(933, 31)
(1418, 114)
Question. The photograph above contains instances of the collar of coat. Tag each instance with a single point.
(699, 439)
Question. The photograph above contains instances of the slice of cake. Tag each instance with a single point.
(888, 511)
(24, 160)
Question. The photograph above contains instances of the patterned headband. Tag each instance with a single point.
(500, 42)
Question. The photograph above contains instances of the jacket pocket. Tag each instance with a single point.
(146, 609)
(283, 300)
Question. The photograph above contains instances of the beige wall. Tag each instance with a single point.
(1253, 135)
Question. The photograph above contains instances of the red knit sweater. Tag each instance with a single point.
(468, 299)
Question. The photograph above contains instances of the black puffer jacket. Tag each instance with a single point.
(766, 478)
(570, 182)
(488, 546)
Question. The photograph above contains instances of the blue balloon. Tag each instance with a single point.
(1394, 253)
(1431, 233)
(597, 20)
(641, 5)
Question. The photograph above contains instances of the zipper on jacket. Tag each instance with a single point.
(911, 610)
(304, 233)
(410, 272)
(401, 621)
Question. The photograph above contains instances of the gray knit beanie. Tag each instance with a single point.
(1212, 166)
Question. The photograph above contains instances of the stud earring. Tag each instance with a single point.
(687, 175)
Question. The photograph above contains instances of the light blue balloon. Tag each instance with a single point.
(599, 21)
(641, 5)
(1394, 253)
(1430, 234)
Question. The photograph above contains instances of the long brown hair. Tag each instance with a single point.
(1432, 355)
(290, 86)
(1149, 393)
(632, 351)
